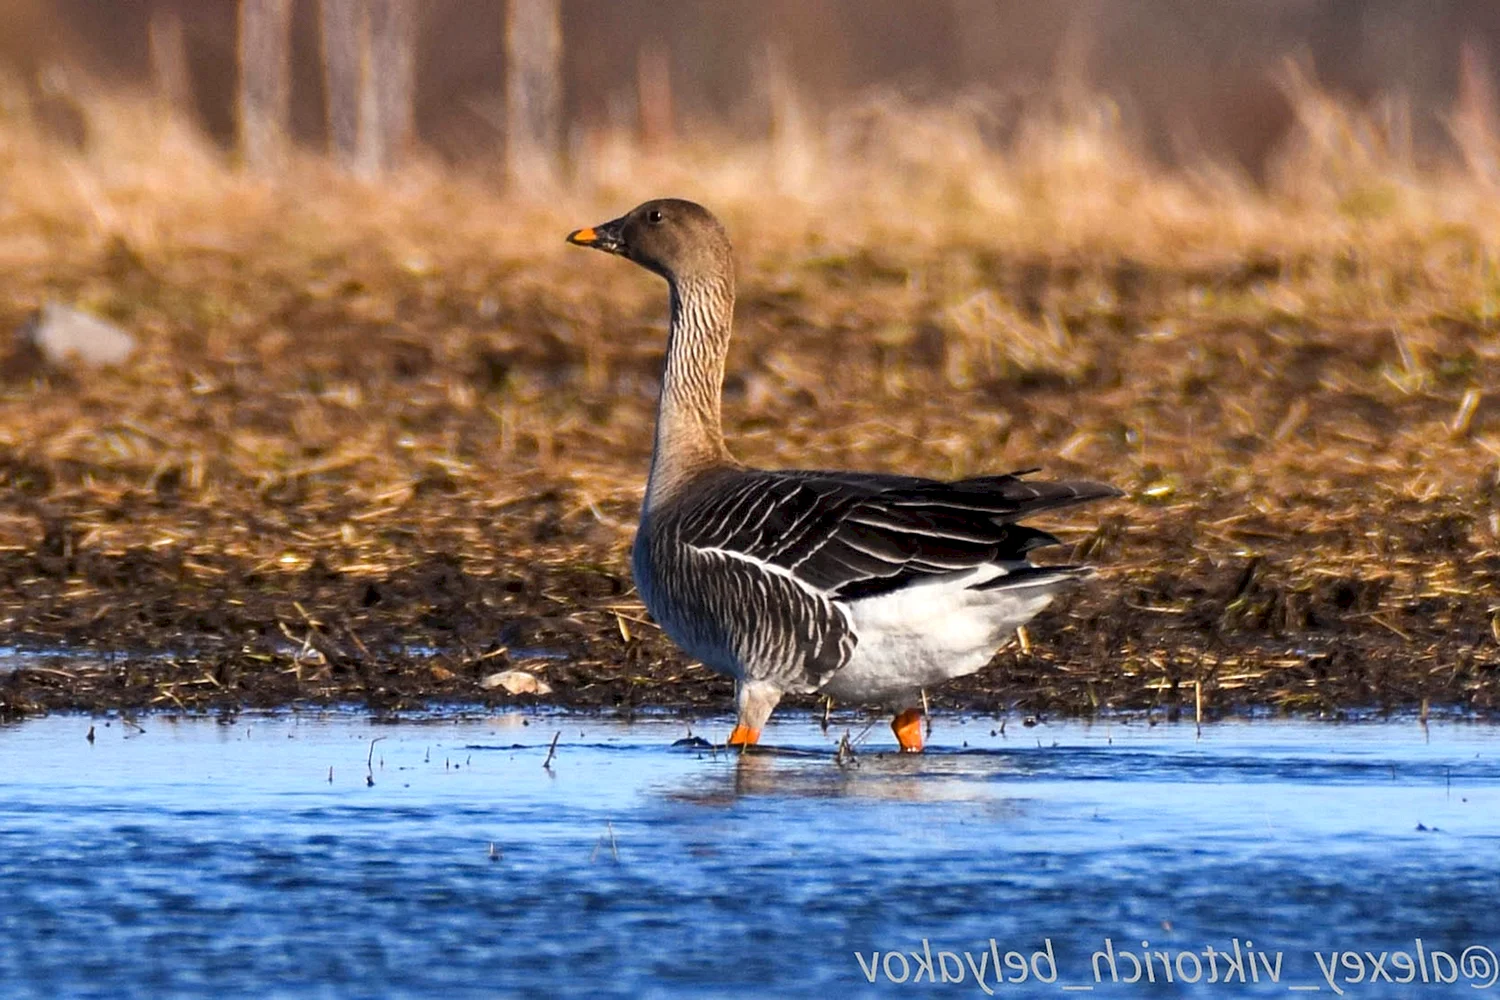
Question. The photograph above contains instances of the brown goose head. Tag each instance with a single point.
(677, 239)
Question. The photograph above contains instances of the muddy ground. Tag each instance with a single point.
(151, 633)
(354, 480)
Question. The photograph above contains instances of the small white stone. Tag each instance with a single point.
(516, 682)
(63, 334)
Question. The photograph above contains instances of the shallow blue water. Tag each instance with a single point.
(203, 858)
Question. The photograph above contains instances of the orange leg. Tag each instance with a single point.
(744, 736)
(907, 726)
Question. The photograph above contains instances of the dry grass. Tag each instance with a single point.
(368, 415)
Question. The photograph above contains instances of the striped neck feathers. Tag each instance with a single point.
(689, 432)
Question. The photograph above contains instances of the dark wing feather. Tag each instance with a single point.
(855, 535)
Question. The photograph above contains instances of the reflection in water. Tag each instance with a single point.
(298, 855)
(799, 773)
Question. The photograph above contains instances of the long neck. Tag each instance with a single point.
(689, 435)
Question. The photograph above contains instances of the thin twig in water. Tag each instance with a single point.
(863, 734)
(614, 849)
(844, 755)
(370, 763)
(551, 751)
(1198, 706)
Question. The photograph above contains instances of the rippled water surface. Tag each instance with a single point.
(258, 859)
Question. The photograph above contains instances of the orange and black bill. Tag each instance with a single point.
(607, 236)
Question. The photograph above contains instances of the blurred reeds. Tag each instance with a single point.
(369, 415)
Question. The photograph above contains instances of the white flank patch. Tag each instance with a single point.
(929, 632)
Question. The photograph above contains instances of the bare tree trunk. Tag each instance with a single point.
(790, 135)
(653, 94)
(387, 131)
(265, 80)
(166, 47)
(533, 91)
(369, 73)
(343, 46)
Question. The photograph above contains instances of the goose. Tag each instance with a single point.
(868, 587)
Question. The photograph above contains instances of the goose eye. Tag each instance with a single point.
(653, 216)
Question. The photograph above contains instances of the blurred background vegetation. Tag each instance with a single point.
(1189, 79)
